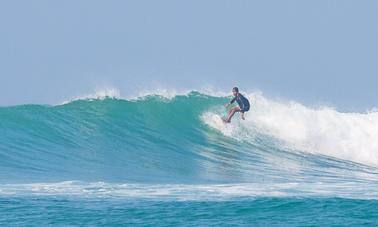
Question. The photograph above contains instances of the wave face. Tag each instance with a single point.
(182, 140)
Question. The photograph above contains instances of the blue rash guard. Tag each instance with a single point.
(242, 102)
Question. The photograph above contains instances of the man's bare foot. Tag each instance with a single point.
(226, 121)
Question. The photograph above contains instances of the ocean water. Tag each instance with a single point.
(163, 160)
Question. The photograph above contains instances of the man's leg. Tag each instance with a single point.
(232, 112)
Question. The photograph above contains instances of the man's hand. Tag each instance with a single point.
(226, 105)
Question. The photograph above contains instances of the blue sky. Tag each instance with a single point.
(310, 51)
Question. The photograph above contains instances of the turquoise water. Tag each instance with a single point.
(171, 161)
(44, 211)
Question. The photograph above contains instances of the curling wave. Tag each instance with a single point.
(181, 139)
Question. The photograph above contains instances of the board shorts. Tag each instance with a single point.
(245, 109)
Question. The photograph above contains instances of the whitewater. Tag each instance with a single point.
(168, 155)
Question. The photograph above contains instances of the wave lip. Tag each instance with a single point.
(99, 94)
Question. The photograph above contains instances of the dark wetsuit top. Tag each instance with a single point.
(242, 102)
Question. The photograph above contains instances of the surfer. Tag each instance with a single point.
(243, 105)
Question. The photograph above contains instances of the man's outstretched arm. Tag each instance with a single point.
(229, 103)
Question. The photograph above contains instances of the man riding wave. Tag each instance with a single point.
(243, 105)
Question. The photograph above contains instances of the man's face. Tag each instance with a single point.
(234, 93)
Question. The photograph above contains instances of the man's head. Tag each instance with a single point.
(235, 91)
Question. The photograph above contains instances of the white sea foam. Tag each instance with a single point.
(323, 130)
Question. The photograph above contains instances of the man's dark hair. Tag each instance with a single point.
(235, 89)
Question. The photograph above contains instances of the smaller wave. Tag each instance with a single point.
(193, 192)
